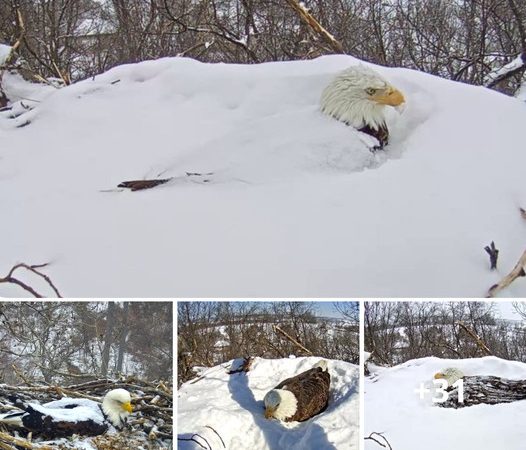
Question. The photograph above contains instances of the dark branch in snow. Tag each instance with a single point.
(493, 253)
(9, 278)
(384, 444)
(218, 435)
(197, 442)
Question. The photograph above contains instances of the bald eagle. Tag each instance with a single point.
(358, 97)
(301, 397)
(70, 416)
(451, 375)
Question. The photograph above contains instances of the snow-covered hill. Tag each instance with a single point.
(296, 204)
(232, 405)
(393, 407)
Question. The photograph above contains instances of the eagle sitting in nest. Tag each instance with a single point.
(68, 416)
(479, 389)
(301, 397)
(358, 97)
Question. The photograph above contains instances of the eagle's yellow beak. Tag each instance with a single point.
(390, 97)
(127, 407)
(439, 375)
(269, 412)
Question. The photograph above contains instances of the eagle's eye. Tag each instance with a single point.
(370, 91)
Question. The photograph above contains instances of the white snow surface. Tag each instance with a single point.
(393, 408)
(5, 50)
(297, 204)
(233, 406)
(58, 410)
(78, 414)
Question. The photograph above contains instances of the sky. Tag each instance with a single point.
(507, 311)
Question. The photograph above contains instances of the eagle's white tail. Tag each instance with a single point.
(322, 364)
(14, 419)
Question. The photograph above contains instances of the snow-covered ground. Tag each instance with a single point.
(296, 205)
(394, 408)
(232, 405)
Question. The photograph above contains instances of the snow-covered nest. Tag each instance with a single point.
(296, 204)
(149, 427)
(232, 405)
(393, 407)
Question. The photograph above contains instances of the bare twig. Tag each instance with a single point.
(385, 442)
(518, 271)
(9, 278)
(19, 442)
(480, 343)
(309, 19)
(291, 339)
(197, 442)
(218, 435)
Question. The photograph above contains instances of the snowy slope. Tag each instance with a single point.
(233, 406)
(296, 205)
(392, 407)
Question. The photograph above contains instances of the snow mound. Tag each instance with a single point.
(391, 403)
(287, 184)
(232, 405)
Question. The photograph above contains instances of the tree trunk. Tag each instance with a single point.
(123, 340)
(108, 339)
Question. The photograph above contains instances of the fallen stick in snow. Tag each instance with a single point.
(191, 438)
(517, 272)
(9, 278)
(493, 253)
(385, 444)
(218, 435)
(140, 185)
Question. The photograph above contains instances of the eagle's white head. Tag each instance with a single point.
(451, 375)
(358, 96)
(117, 406)
(280, 404)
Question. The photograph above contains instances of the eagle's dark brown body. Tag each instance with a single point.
(382, 134)
(311, 389)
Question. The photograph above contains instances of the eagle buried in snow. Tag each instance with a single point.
(358, 97)
(68, 416)
(301, 397)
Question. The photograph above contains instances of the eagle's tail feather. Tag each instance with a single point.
(322, 364)
(13, 419)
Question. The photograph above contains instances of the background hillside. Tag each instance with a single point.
(212, 333)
